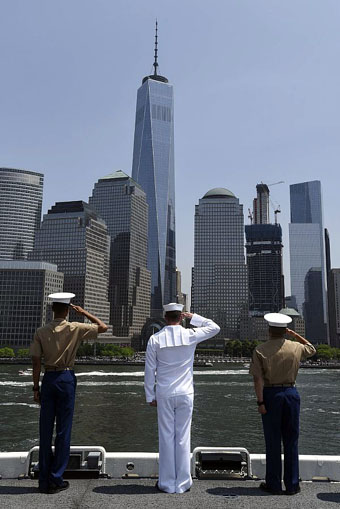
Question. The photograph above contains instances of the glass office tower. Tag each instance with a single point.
(24, 303)
(306, 245)
(75, 238)
(219, 285)
(264, 258)
(153, 169)
(21, 195)
(264, 262)
(121, 202)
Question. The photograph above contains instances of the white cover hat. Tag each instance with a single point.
(62, 297)
(277, 319)
(173, 306)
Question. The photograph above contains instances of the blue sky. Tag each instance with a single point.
(256, 97)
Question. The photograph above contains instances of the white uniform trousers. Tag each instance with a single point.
(174, 427)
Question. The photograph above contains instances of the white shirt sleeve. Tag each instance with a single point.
(206, 328)
(150, 371)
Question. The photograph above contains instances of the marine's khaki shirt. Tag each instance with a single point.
(58, 341)
(277, 360)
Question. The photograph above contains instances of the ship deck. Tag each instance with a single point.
(131, 493)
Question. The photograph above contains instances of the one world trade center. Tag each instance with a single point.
(153, 169)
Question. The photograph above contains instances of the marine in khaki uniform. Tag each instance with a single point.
(57, 342)
(275, 367)
(169, 386)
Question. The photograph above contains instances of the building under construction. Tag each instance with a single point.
(264, 258)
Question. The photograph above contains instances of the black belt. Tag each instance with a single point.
(57, 368)
(281, 385)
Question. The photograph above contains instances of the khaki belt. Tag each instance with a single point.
(281, 385)
(56, 368)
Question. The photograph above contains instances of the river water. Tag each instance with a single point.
(111, 410)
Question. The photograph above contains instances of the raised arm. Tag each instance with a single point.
(102, 327)
(308, 350)
(205, 328)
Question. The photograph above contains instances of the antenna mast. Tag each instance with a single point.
(155, 64)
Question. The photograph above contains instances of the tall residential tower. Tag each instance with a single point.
(153, 169)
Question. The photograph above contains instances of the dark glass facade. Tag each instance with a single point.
(21, 194)
(306, 244)
(219, 282)
(312, 308)
(24, 290)
(153, 169)
(121, 202)
(306, 202)
(264, 262)
(261, 205)
(334, 307)
(75, 238)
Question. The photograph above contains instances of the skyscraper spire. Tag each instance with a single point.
(155, 64)
(153, 169)
(155, 76)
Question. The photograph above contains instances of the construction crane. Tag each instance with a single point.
(276, 212)
(276, 208)
(275, 183)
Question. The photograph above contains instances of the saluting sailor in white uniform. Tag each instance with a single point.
(168, 385)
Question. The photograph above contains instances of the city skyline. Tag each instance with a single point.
(264, 119)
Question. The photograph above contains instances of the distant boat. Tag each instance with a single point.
(25, 372)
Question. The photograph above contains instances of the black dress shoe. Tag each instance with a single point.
(55, 488)
(263, 486)
(293, 492)
(43, 490)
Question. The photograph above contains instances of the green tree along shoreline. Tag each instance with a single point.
(234, 348)
(85, 350)
(106, 350)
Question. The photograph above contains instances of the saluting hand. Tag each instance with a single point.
(186, 315)
(78, 309)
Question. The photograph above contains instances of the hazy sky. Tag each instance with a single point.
(256, 86)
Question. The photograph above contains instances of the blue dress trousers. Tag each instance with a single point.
(281, 422)
(57, 404)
